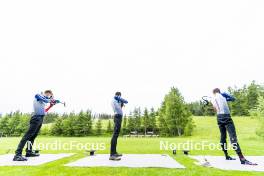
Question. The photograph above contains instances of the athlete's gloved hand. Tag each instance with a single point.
(52, 102)
(57, 101)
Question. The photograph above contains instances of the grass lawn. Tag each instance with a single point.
(206, 130)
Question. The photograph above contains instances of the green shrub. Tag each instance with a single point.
(45, 130)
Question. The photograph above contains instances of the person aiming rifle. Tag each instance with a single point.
(117, 105)
(40, 101)
(226, 124)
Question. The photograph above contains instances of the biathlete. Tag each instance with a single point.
(226, 124)
(36, 121)
(117, 105)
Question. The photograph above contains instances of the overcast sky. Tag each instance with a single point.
(85, 51)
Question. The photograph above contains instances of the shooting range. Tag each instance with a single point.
(131, 88)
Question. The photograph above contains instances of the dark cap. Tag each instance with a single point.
(216, 90)
(118, 93)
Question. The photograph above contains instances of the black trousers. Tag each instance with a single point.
(226, 124)
(117, 127)
(29, 137)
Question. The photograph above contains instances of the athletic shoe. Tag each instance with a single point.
(114, 158)
(32, 154)
(118, 155)
(230, 158)
(246, 162)
(19, 158)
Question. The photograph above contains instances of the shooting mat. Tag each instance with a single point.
(7, 160)
(129, 160)
(219, 162)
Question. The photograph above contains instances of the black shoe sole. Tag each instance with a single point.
(233, 159)
(245, 164)
(19, 160)
(117, 159)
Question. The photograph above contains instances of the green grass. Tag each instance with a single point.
(206, 130)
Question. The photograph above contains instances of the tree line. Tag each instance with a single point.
(172, 118)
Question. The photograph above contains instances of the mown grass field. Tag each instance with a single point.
(206, 130)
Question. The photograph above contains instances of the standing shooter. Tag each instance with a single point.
(117, 105)
(226, 124)
(35, 124)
